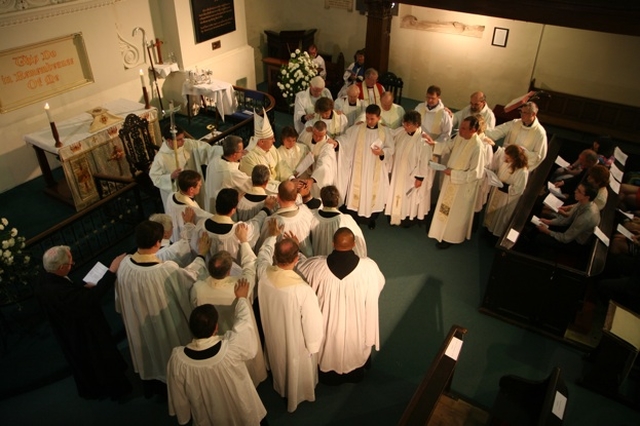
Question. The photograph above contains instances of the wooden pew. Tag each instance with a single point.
(434, 391)
(536, 293)
(523, 402)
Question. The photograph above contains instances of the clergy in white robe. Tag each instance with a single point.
(348, 288)
(328, 219)
(436, 121)
(412, 178)
(292, 152)
(153, 298)
(317, 61)
(294, 218)
(224, 172)
(370, 90)
(526, 132)
(365, 156)
(208, 379)
(510, 165)
(190, 154)
(304, 106)
(189, 184)
(477, 105)
(180, 251)
(218, 290)
(453, 216)
(487, 158)
(390, 114)
(291, 320)
(351, 105)
(324, 169)
(221, 227)
(324, 110)
(253, 201)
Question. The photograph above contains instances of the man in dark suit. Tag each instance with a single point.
(80, 326)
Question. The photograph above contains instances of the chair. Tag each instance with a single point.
(522, 402)
(139, 150)
(394, 84)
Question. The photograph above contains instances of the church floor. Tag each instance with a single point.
(427, 290)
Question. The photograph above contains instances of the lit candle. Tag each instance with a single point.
(142, 78)
(46, 109)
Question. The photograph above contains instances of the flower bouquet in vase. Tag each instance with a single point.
(296, 75)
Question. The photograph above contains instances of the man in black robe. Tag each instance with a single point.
(80, 326)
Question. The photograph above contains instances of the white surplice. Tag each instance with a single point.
(392, 118)
(350, 310)
(453, 216)
(278, 170)
(292, 324)
(305, 104)
(486, 113)
(217, 390)
(411, 161)
(501, 205)
(352, 112)
(296, 220)
(175, 205)
(224, 174)
(363, 178)
(227, 241)
(324, 170)
(250, 204)
(220, 293)
(533, 139)
(323, 228)
(155, 307)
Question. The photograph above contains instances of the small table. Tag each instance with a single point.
(83, 152)
(220, 93)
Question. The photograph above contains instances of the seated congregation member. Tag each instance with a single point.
(253, 201)
(597, 176)
(264, 153)
(207, 378)
(411, 180)
(390, 114)
(336, 123)
(366, 155)
(189, 185)
(350, 105)
(305, 102)
(453, 215)
(510, 165)
(218, 290)
(348, 288)
(153, 298)
(370, 90)
(526, 132)
(224, 172)
(477, 105)
(221, 227)
(180, 251)
(291, 319)
(75, 313)
(603, 146)
(577, 226)
(291, 151)
(324, 170)
(292, 217)
(327, 220)
(587, 159)
(164, 171)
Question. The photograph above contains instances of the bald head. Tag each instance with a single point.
(478, 101)
(344, 240)
(287, 193)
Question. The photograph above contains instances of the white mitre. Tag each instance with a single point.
(261, 129)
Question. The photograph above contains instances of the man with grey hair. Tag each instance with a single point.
(370, 90)
(477, 105)
(526, 132)
(78, 323)
(304, 107)
(224, 172)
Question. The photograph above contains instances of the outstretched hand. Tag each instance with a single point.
(241, 288)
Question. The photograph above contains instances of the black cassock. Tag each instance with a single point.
(84, 335)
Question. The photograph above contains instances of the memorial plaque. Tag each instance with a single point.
(212, 18)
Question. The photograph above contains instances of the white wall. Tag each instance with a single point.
(100, 27)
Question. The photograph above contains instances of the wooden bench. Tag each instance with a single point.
(536, 293)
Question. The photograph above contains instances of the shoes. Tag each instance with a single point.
(372, 224)
(442, 245)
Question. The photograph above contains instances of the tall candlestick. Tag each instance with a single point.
(145, 94)
(142, 78)
(46, 109)
(174, 133)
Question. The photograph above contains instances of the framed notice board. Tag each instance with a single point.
(212, 18)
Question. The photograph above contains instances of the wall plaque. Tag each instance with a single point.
(212, 18)
(39, 71)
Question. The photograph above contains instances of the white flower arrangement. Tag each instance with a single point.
(15, 271)
(295, 76)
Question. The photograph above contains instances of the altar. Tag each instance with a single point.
(84, 152)
(219, 94)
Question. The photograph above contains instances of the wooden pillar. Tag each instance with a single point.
(378, 34)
